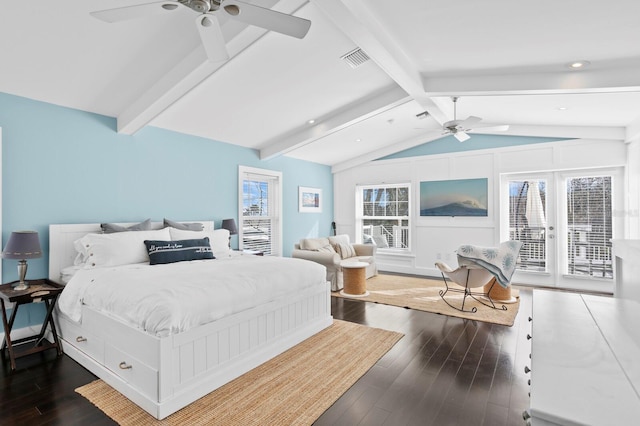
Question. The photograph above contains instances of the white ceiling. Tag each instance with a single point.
(505, 59)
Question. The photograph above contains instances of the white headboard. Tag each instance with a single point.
(61, 238)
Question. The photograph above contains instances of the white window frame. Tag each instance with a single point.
(360, 214)
(274, 179)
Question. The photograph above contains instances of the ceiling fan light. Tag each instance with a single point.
(232, 10)
(170, 6)
(461, 136)
(206, 22)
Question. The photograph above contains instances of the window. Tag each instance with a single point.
(260, 225)
(382, 215)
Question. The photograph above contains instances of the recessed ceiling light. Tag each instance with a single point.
(311, 121)
(562, 108)
(576, 65)
(358, 140)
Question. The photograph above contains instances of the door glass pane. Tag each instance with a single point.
(589, 226)
(527, 222)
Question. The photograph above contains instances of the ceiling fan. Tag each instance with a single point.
(207, 20)
(459, 128)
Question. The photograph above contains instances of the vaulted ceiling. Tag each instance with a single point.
(507, 61)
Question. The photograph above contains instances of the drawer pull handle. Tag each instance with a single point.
(125, 366)
(81, 339)
(527, 369)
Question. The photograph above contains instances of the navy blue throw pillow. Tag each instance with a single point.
(178, 251)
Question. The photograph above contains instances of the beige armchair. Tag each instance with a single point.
(332, 252)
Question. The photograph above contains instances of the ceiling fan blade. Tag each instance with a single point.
(211, 35)
(267, 18)
(469, 122)
(135, 12)
(461, 136)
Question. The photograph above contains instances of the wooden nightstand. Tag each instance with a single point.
(42, 290)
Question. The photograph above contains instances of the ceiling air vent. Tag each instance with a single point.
(355, 58)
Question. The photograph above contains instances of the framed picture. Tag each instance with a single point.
(461, 197)
(309, 199)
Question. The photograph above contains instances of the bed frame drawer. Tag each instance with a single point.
(132, 371)
(82, 340)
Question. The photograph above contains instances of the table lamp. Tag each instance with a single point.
(22, 245)
(230, 225)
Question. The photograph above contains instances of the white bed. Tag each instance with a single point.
(165, 373)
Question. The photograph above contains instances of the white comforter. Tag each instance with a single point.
(167, 299)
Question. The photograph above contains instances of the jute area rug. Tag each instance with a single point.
(423, 294)
(294, 388)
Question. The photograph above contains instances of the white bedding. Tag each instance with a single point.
(171, 298)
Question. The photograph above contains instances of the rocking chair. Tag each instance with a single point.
(469, 276)
(478, 267)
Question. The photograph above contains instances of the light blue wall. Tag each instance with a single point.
(61, 165)
(450, 144)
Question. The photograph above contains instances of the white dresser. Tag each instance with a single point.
(585, 366)
(627, 269)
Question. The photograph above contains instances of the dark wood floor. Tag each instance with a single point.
(444, 371)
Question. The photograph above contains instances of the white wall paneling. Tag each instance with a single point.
(631, 212)
(433, 237)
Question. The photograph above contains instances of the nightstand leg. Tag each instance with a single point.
(49, 319)
(7, 333)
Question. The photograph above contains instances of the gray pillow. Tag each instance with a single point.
(183, 226)
(110, 228)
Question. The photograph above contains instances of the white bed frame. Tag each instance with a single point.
(164, 374)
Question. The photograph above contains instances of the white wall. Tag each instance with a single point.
(632, 200)
(434, 237)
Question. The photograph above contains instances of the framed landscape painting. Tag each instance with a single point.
(310, 200)
(460, 197)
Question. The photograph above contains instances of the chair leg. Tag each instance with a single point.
(468, 293)
(488, 296)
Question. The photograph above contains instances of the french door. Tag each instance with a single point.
(565, 221)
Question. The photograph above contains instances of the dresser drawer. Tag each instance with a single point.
(86, 342)
(133, 371)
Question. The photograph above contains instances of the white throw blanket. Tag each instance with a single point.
(500, 261)
(171, 298)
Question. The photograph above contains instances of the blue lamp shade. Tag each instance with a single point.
(22, 245)
(230, 224)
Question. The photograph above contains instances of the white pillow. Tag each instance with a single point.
(67, 273)
(314, 244)
(218, 238)
(339, 239)
(122, 248)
